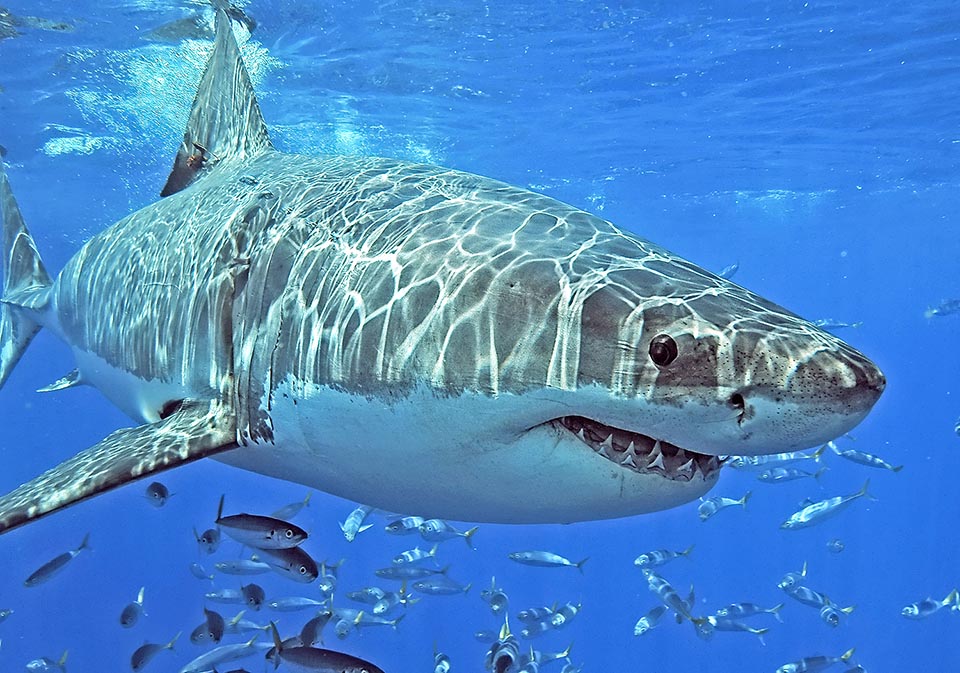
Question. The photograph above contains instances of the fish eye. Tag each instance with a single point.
(303, 570)
(663, 350)
(288, 533)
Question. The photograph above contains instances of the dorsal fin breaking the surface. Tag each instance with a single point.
(225, 122)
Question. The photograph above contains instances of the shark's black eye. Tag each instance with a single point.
(663, 350)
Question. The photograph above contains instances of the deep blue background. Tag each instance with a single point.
(815, 143)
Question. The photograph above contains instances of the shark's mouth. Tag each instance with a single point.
(640, 453)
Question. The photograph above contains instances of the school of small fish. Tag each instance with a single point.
(274, 544)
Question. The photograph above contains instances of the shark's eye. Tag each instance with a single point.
(663, 350)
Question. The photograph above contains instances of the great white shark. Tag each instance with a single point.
(415, 338)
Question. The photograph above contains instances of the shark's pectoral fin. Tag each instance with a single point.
(198, 428)
(70, 380)
(225, 122)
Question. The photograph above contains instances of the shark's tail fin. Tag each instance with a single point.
(225, 123)
(26, 284)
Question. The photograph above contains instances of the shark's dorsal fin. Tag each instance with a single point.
(198, 428)
(225, 121)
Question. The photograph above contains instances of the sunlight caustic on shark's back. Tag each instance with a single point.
(412, 337)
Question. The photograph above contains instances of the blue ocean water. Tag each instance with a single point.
(815, 144)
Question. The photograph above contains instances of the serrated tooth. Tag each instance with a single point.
(581, 436)
(688, 468)
(608, 442)
(657, 450)
(681, 454)
(657, 461)
(606, 450)
(632, 448)
(627, 459)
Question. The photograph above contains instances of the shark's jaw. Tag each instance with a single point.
(641, 453)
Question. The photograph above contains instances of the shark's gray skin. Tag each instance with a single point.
(412, 337)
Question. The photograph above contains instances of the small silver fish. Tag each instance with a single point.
(146, 652)
(416, 555)
(157, 494)
(715, 623)
(807, 596)
(564, 614)
(408, 572)
(200, 572)
(793, 579)
(5, 613)
(54, 566)
(743, 610)
(814, 664)
(545, 559)
(131, 613)
(833, 614)
(262, 532)
(289, 511)
(533, 615)
(441, 662)
(657, 558)
(711, 506)
(225, 596)
(945, 308)
(392, 599)
(862, 458)
(242, 567)
(405, 525)
(353, 525)
(45, 665)
(823, 510)
(666, 593)
(835, 546)
(831, 324)
(485, 636)
(368, 595)
(779, 475)
(929, 606)
(773, 460)
(495, 597)
(295, 604)
(223, 654)
(649, 620)
(208, 541)
(440, 585)
(438, 530)
(728, 271)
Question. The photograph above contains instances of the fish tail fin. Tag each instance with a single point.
(686, 552)
(746, 496)
(775, 611)
(930, 312)
(395, 621)
(896, 468)
(819, 473)
(225, 125)
(140, 596)
(219, 508)
(579, 564)
(848, 655)
(85, 544)
(818, 454)
(63, 659)
(173, 641)
(469, 534)
(952, 597)
(866, 493)
(25, 293)
(847, 610)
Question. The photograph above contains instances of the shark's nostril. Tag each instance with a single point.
(737, 403)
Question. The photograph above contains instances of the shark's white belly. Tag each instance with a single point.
(449, 457)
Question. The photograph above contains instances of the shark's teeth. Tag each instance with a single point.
(640, 453)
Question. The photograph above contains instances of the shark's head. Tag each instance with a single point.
(654, 368)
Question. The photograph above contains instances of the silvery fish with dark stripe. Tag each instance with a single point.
(404, 525)
(863, 458)
(144, 654)
(242, 567)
